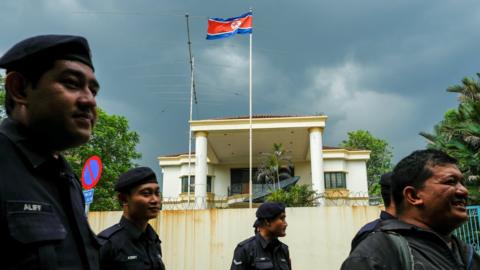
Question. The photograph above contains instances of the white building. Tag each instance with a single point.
(219, 170)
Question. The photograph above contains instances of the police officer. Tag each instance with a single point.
(132, 243)
(264, 250)
(50, 104)
(389, 213)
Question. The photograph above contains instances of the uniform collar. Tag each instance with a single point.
(398, 225)
(384, 215)
(136, 233)
(264, 243)
(20, 136)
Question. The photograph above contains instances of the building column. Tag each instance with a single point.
(201, 170)
(316, 160)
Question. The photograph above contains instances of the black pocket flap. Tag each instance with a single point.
(263, 263)
(30, 227)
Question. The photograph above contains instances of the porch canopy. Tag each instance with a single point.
(228, 143)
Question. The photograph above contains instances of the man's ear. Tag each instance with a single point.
(16, 85)
(411, 196)
(122, 197)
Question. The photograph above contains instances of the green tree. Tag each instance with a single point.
(380, 160)
(272, 164)
(115, 144)
(295, 196)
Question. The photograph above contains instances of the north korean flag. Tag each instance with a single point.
(222, 28)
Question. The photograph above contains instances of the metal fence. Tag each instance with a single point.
(470, 230)
(329, 198)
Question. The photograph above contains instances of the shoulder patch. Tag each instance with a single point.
(107, 233)
(246, 241)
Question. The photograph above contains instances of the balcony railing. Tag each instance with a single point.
(243, 188)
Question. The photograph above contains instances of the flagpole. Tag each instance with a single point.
(250, 118)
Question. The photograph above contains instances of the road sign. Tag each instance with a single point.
(88, 195)
(92, 170)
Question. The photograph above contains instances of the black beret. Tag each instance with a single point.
(51, 47)
(386, 180)
(269, 210)
(135, 177)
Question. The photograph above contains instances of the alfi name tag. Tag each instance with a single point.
(28, 206)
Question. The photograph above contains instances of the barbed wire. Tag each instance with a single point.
(328, 198)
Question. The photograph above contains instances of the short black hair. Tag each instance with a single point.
(414, 170)
(34, 56)
(32, 75)
(386, 188)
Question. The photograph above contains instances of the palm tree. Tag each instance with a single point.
(469, 90)
(271, 165)
(458, 134)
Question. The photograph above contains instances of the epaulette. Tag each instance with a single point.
(107, 233)
(246, 241)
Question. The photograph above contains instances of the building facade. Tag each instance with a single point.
(217, 174)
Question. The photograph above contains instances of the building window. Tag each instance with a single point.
(335, 180)
(192, 184)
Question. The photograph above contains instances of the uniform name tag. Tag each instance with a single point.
(28, 207)
(133, 257)
(32, 207)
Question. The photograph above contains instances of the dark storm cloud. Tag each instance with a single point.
(382, 66)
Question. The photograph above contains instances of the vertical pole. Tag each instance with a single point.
(192, 93)
(250, 133)
(190, 134)
(87, 209)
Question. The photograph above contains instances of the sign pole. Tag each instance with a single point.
(92, 170)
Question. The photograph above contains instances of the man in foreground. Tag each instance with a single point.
(50, 104)
(389, 213)
(430, 200)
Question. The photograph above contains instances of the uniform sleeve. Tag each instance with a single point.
(289, 259)
(240, 259)
(106, 255)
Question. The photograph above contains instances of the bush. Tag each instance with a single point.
(296, 196)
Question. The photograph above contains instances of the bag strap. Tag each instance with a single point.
(469, 256)
(401, 244)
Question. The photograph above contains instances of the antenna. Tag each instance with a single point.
(191, 60)
(192, 96)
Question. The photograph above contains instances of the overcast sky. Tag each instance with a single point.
(381, 66)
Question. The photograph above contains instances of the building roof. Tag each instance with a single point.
(324, 148)
(260, 116)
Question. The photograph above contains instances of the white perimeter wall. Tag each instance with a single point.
(318, 237)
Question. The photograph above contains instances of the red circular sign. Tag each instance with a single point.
(92, 170)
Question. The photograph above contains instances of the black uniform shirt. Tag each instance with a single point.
(369, 228)
(42, 214)
(256, 253)
(127, 247)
